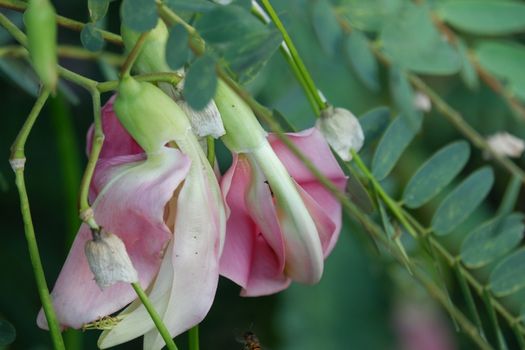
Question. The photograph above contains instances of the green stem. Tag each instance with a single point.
(133, 55)
(65, 51)
(169, 77)
(21, 6)
(161, 327)
(96, 146)
(307, 82)
(193, 335)
(17, 160)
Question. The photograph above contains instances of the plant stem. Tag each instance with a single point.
(168, 77)
(306, 81)
(17, 161)
(21, 6)
(161, 327)
(65, 51)
(96, 146)
(133, 55)
(193, 335)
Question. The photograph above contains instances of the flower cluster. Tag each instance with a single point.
(171, 223)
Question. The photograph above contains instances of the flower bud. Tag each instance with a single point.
(108, 260)
(149, 115)
(341, 130)
(243, 131)
(40, 22)
(505, 144)
(152, 57)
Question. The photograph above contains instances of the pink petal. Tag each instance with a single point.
(131, 205)
(117, 141)
(253, 255)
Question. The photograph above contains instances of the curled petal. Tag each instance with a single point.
(185, 287)
(131, 205)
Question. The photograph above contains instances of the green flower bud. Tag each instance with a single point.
(41, 27)
(152, 57)
(243, 131)
(149, 115)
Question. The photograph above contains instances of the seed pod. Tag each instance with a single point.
(341, 130)
(41, 27)
(108, 260)
(149, 115)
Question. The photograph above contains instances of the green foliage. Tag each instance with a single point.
(492, 240)
(505, 60)
(492, 17)
(403, 97)
(411, 41)
(97, 9)
(509, 276)
(362, 60)
(91, 38)
(325, 24)
(391, 146)
(192, 6)
(177, 50)
(468, 72)
(435, 174)
(370, 15)
(462, 201)
(200, 83)
(374, 123)
(7, 333)
(139, 15)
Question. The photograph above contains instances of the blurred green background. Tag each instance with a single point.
(354, 306)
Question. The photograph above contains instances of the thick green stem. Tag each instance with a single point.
(169, 77)
(193, 337)
(17, 161)
(161, 327)
(307, 82)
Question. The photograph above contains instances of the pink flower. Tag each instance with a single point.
(263, 251)
(166, 208)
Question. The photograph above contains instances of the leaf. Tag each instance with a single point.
(139, 15)
(462, 201)
(362, 60)
(369, 15)
(403, 97)
(492, 17)
(97, 9)
(394, 141)
(177, 49)
(326, 27)
(505, 60)
(436, 173)
(91, 38)
(491, 240)
(192, 6)
(7, 333)
(468, 72)
(412, 42)
(357, 193)
(200, 83)
(508, 276)
(374, 122)
(239, 38)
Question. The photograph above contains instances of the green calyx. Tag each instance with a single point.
(243, 131)
(151, 117)
(152, 57)
(40, 22)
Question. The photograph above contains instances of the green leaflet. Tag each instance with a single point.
(492, 17)
(7, 333)
(200, 83)
(411, 41)
(492, 240)
(362, 60)
(177, 49)
(436, 173)
(374, 122)
(509, 276)
(91, 38)
(139, 15)
(393, 143)
(462, 201)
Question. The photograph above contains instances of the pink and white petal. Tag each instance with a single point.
(312, 143)
(130, 205)
(117, 141)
